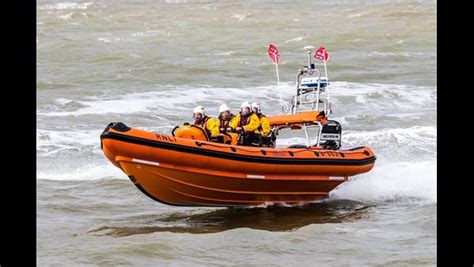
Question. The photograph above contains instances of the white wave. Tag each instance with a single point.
(116, 39)
(65, 5)
(410, 54)
(360, 99)
(391, 54)
(241, 17)
(416, 137)
(185, 1)
(393, 181)
(166, 100)
(87, 172)
(228, 53)
(151, 33)
(358, 15)
(63, 101)
(297, 39)
(416, 140)
(104, 40)
(350, 88)
(52, 142)
(109, 106)
(146, 33)
(67, 16)
(375, 96)
(133, 37)
(170, 98)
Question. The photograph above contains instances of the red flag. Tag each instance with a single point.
(321, 54)
(273, 53)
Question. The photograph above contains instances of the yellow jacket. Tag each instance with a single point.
(264, 128)
(250, 125)
(211, 126)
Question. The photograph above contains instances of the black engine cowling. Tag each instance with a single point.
(331, 135)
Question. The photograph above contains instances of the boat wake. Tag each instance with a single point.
(273, 218)
(401, 181)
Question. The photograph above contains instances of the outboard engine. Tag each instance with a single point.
(331, 135)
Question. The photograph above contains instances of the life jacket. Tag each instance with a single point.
(202, 122)
(244, 120)
(260, 115)
(225, 123)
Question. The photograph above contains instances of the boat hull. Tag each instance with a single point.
(186, 172)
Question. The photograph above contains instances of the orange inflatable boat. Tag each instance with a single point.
(187, 171)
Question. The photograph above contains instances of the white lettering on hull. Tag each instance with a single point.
(255, 176)
(146, 162)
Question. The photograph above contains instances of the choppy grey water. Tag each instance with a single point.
(148, 63)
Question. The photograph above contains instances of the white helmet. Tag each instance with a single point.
(256, 105)
(245, 104)
(223, 108)
(199, 109)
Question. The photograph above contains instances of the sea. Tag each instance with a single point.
(148, 63)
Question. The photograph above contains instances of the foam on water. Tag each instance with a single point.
(172, 98)
(395, 142)
(415, 135)
(68, 16)
(51, 142)
(65, 5)
(228, 53)
(241, 17)
(404, 96)
(297, 39)
(92, 171)
(166, 100)
(391, 54)
(393, 181)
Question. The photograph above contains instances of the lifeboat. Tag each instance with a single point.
(187, 168)
(193, 172)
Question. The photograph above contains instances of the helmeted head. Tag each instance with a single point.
(198, 113)
(256, 107)
(245, 108)
(224, 111)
